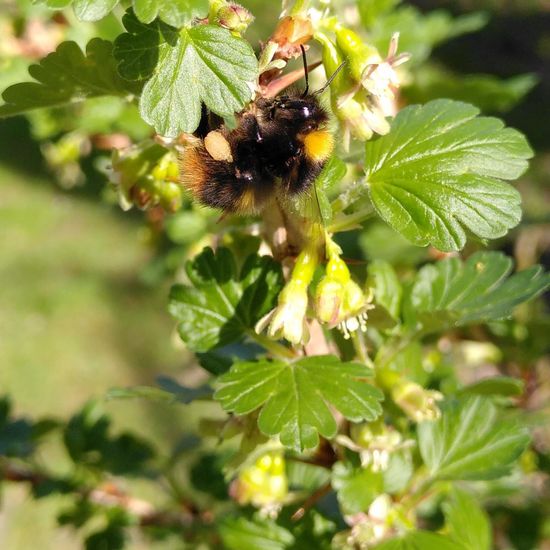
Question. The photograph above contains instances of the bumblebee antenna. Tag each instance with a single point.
(332, 77)
(306, 73)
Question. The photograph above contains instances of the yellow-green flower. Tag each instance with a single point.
(339, 301)
(263, 484)
(288, 319)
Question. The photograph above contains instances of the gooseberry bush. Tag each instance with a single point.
(359, 343)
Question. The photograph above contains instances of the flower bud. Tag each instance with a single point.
(418, 403)
(358, 54)
(234, 17)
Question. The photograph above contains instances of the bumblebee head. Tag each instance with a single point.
(303, 114)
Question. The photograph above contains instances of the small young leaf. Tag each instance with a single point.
(221, 305)
(466, 522)
(67, 76)
(452, 293)
(471, 441)
(356, 488)
(206, 65)
(295, 397)
(419, 540)
(437, 174)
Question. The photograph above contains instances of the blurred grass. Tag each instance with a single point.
(74, 322)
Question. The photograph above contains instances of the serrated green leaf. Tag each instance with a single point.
(466, 522)
(294, 397)
(356, 488)
(419, 540)
(206, 65)
(496, 385)
(471, 440)
(386, 286)
(221, 305)
(437, 175)
(137, 51)
(174, 12)
(67, 76)
(452, 293)
(93, 10)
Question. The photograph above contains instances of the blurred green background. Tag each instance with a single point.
(82, 285)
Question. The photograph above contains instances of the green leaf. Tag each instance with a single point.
(137, 51)
(466, 522)
(453, 293)
(67, 76)
(356, 488)
(207, 64)
(437, 175)
(471, 440)
(419, 540)
(496, 385)
(93, 10)
(294, 397)
(221, 305)
(387, 288)
(174, 12)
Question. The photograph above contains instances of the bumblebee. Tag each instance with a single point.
(279, 146)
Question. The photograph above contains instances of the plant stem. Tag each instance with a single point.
(351, 221)
(273, 347)
(360, 348)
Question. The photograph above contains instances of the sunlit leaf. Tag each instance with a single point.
(437, 175)
(294, 397)
(451, 292)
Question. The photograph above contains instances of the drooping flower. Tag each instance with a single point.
(374, 443)
(263, 484)
(364, 95)
(288, 319)
(339, 301)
